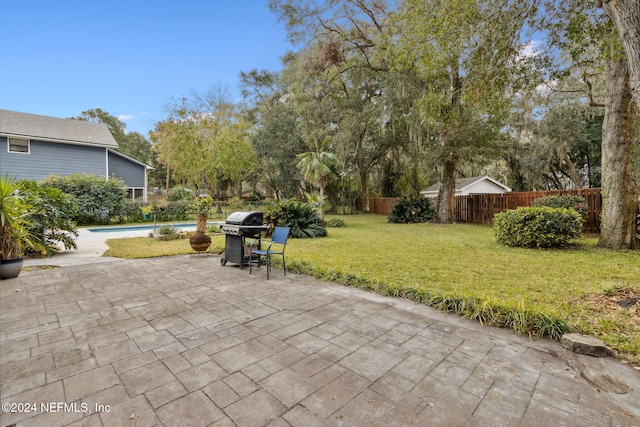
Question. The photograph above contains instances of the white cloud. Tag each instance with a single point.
(127, 117)
(531, 49)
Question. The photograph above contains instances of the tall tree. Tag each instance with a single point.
(572, 135)
(620, 197)
(205, 142)
(276, 134)
(620, 202)
(333, 79)
(467, 54)
(625, 15)
(587, 35)
(97, 115)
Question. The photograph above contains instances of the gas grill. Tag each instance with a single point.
(238, 227)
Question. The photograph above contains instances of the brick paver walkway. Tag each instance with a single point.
(183, 341)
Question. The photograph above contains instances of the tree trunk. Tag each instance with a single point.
(572, 170)
(619, 198)
(444, 213)
(364, 181)
(167, 181)
(555, 179)
(445, 206)
(625, 14)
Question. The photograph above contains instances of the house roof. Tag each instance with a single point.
(131, 159)
(464, 183)
(33, 126)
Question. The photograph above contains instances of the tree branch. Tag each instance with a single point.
(592, 102)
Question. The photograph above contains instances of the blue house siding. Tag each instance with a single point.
(49, 158)
(65, 147)
(131, 173)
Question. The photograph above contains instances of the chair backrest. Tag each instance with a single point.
(280, 235)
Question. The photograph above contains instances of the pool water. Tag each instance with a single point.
(141, 227)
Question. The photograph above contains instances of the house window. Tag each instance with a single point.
(135, 193)
(17, 145)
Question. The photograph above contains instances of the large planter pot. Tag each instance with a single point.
(201, 223)
(199, 241)
(10, 268)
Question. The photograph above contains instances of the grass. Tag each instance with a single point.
(461, 268)
(147, 247)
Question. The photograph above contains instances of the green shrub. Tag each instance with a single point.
(336, 223)
(174, 211)
(51, 219)
(166, 229)
(567, 201)
(537, 227)
(302, 217)
(130, 211)
(179, 193)
(98, 199)
(256, 199)
(411, 209)
(235, 203)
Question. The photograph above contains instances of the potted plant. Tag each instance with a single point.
(147, 211)
(14, 228)
(201, 206)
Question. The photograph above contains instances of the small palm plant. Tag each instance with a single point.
(315, 165)
(14, 227)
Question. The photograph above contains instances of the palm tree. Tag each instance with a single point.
(315, 165)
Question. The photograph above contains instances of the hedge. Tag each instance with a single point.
(538, 227)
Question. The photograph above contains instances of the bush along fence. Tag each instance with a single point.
(481, 208)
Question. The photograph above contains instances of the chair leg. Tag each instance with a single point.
(268, 265)
(284, 266)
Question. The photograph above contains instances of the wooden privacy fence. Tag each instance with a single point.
(379, 205)
(480, 208)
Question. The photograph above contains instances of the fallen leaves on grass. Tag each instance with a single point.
(619, 300)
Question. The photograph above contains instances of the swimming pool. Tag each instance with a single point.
(180, 226)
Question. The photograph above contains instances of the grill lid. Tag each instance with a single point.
(245, 218)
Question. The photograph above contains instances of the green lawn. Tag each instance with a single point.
(461, 268)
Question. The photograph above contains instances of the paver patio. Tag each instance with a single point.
(185, 341)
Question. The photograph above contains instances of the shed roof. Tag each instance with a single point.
(463, 183)
(34, 126)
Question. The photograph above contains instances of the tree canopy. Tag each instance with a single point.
(408, 93)
(205, 143)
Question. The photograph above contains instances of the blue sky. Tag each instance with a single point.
(130, 57)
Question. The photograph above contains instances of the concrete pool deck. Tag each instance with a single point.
(185, 341)
(91, 246)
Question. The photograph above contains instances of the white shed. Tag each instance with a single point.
(468, 186)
